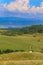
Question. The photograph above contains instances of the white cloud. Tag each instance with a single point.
(40, 9)
(23, 6)
(36, 10)
(20, 5)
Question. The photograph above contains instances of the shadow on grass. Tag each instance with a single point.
(10, 51)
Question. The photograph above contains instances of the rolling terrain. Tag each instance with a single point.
(22, 44)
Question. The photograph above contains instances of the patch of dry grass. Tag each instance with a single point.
(26, 62)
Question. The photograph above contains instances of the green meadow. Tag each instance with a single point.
(26, 42)
(33, 42)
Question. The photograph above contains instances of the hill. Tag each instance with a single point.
(16, 44)
(24, 30)
(17, 56)
(27, 42)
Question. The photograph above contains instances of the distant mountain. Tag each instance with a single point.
(17, 22)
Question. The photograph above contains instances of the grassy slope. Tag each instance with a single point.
(24, 58)
(21, 56)
(27, 62)
(23, 42)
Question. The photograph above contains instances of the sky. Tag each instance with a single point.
(29, 9)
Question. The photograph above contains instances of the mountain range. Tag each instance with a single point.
(17, 22)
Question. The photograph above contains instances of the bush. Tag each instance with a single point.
(34, 35)
(41, 50)
(8, 51)
(38, 40)
(19, 51)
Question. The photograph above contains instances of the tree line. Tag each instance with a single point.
(9, 51)
(25, 30)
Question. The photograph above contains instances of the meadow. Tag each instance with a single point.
(26, 42)
(27, 62)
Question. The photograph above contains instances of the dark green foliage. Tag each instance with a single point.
(24, 30)
(19, 50)
(41, 50)
(38, 40)
(9, 51)
(6, 51)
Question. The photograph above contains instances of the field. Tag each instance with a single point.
(28, 42)
(17, 56)
(24, 42)
(27, 62)
(22, 58)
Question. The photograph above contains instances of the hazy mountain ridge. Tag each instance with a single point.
(24, 30)
(16, 22)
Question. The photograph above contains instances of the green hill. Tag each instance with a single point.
(20, 42)
(24, 30)
(25, 42)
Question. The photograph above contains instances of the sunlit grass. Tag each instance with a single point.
(23, 42)
(27, 62)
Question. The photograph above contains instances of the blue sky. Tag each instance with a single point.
(32, 2)
(5, 1)
(25, 9)
(35, 2)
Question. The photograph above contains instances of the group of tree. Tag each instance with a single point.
(10, 51)
(24, 30)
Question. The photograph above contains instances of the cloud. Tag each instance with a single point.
(40, 9)
(20, 5)
(36, 10)
(22, 8)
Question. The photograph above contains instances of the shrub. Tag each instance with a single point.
(8, 51)
(38, 40)
(41, 50)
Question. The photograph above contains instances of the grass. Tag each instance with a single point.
(21, 56)
(23, 42)
(28, 62)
